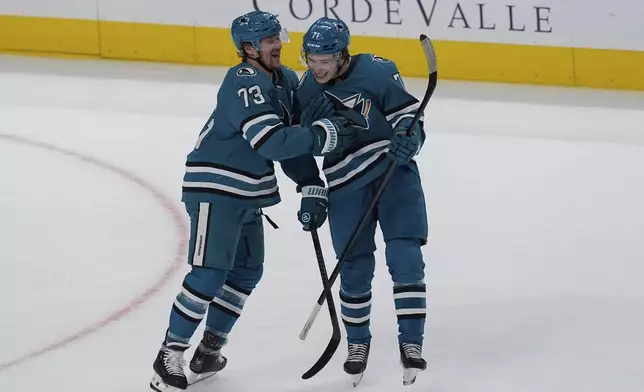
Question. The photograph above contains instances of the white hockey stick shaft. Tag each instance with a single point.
(310, 321)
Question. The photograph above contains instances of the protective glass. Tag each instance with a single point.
(284, 37)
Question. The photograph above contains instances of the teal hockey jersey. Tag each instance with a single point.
(251, 126)
(373, 87)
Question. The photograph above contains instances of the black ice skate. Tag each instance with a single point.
(411, 361)
(207, 360)
(356, 362)
(168, 371)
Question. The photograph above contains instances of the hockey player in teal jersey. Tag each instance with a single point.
(371, 86)
(229, 177)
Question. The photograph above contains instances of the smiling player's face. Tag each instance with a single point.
(270, 50)
(322, 66)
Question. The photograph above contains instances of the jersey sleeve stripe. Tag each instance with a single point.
(255, 115)
(401, 106)
(256, 119)
(359, 169)
(205, 133)
(349, 158)
(408, 115)
(262, 136)
(407, 108)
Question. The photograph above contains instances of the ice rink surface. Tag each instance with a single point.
(534, 263)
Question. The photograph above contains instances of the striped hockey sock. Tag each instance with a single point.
(410, 301)
(356, 315)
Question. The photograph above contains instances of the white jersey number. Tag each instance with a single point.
(252, 92)
(206, 130)
(398, 79)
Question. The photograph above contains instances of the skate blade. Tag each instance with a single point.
(158, 385)
(409, 376)
(194, 378)
(356, 379)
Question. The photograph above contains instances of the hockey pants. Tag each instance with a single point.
(226, 252)
(402, 217)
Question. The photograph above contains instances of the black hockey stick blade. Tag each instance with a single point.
(326, 356)
(332, 347)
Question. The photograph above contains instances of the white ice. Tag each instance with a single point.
(534, 267)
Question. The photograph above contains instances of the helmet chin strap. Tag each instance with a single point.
(261, 62)
(340, 63)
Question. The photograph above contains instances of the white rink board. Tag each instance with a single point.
(74, 9)
(447, 20)
(149, 11)
(566, 23)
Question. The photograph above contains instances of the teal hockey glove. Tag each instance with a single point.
(403, 148)
(312, 213)
(319, 108)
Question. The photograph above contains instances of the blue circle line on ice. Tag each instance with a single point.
(164, 201)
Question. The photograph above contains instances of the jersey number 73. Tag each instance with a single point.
(253, 92)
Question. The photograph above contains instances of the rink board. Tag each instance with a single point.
(461, 60)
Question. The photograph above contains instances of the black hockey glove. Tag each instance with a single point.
(319, 108)
(312, 213)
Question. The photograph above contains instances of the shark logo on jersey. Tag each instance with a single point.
(246, 71)
(286, 117)
(379, 59)
(356, 102)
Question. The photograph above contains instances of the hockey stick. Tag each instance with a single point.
(430, 56)
(336, 336)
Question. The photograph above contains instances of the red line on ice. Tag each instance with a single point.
(178, 259)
